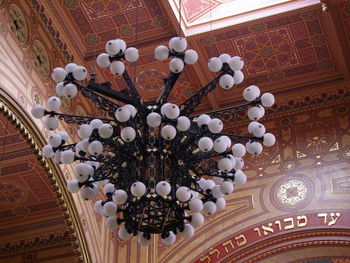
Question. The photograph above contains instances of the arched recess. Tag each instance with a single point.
(295, 247)
(19, 118)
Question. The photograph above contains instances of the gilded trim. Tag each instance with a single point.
(57, 180)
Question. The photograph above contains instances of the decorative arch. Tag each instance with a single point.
(19, 118)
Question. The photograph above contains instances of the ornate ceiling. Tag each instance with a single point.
(296, 202)
(32, 225)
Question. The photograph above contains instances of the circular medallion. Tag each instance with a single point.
(18, 23)
(290, 193)
(10, 193)
(40, 58)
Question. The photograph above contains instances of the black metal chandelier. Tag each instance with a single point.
(160, 165)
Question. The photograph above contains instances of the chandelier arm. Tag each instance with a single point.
(133, 91)
(230, 111)
(169, 84)
(75, 119)
(189, 105)
(241, 138)
(101, 102)
(105, 89)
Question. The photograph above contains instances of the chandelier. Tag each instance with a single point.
(160, 165)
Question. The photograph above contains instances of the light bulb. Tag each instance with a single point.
(87, 193)
(105, 130)
(80, 73)
(64, 136)
(59, 74)
(154, 119)
(161, 52)
(191, 57)
(240, 178)
(98, 207)
(215, 125)
(196, 205)
(251, 93)
(226, 187)
(83, 172)
(220, 203)
(252, 126)
(236, 63)
(138, 189)
(143, 241)
(131, 54)
(128, 134)
(95, 123)
(168, 132)
(120, 197)
(109, 209)
(84, 131)
(227, 140)
(169, 240)
(67, 156)
(163, 188)
(203, 119)
(254, 148)
(267, 100)
(95, 148)
(255, 113)
(70, 90)
(112, 222)
(183, 194)
(122, 44)
(233, 159)
(208, 185)
(122, 114)
(117, 67)
(188, 231)
(225, 58)
(269, 139)
(93, 164)
(238, 150)
(108, 188)
(216, 191)
(82, 146)
(38, 111)
(178, 44)
(205, 144)
(103, 60)
(57, 157)
(176, 65)
(197, 220)
(69, 68)
(215, 64)
(172, 111)
(51, 123)
(183, 123)
(220, 145)
(60, 89)
(225, 165)
(112, 47)
(209, 208)
(259, 131)
(53, 104)
(238, 77)
(124, 234)
(132, 110)
(47, 151)
(226, 81)
(239, 164)
(73, 186)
